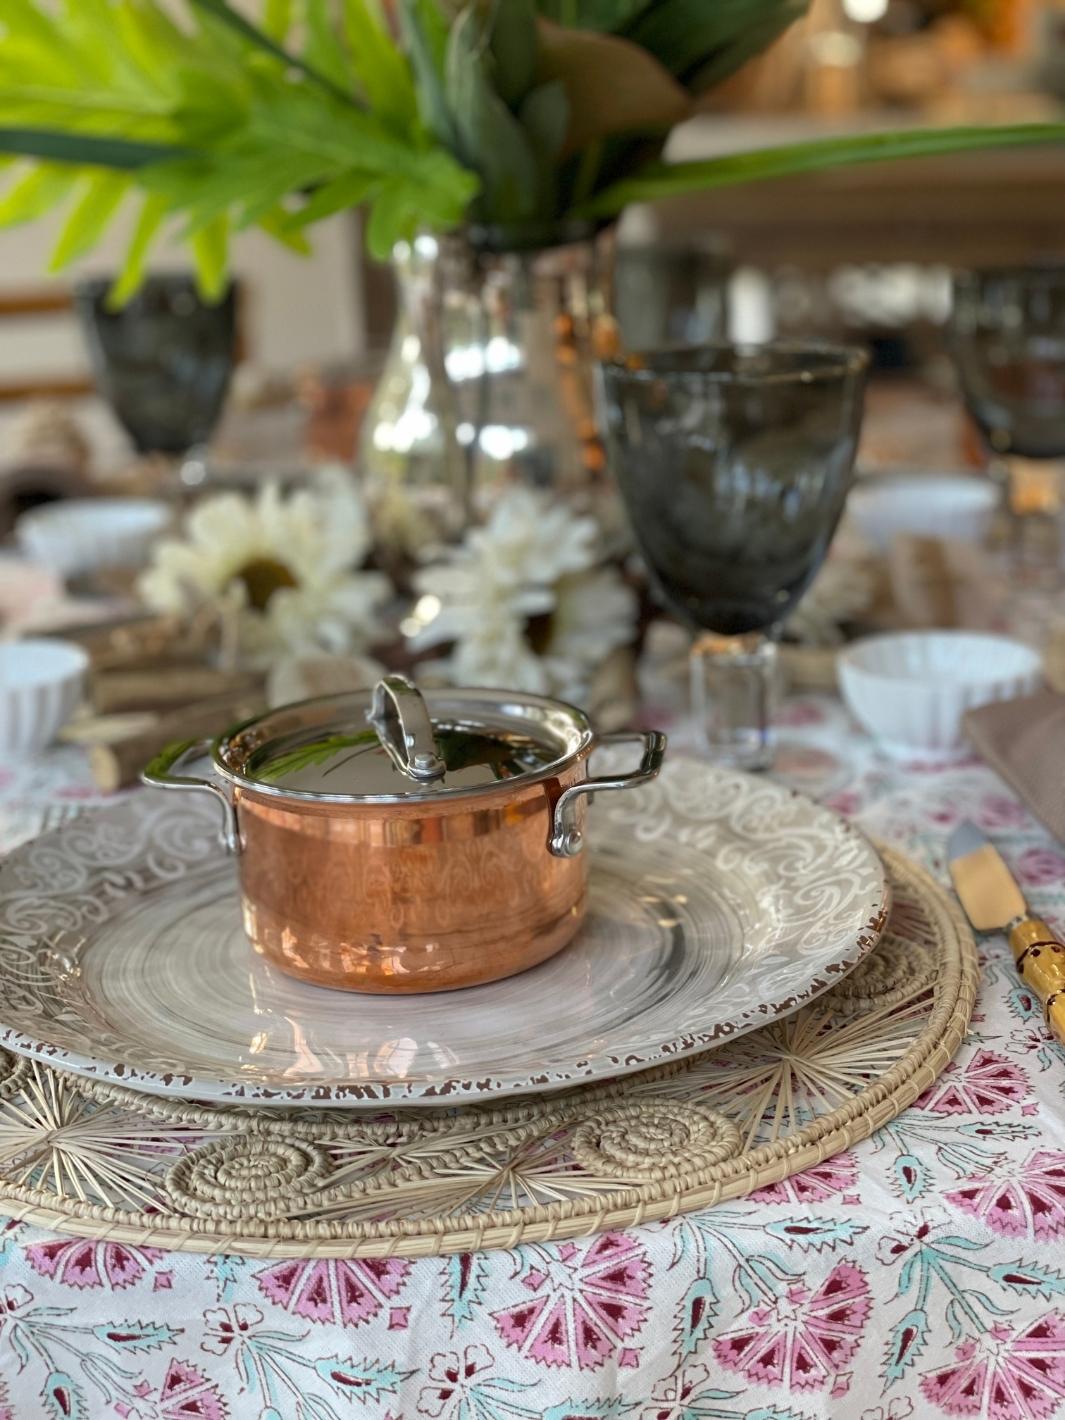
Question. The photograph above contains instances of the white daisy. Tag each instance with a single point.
(280, 565)
(521, 602)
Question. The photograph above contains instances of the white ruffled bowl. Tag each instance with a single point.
(910, 690)
(79, 535)
(40, 686)
(958, 506)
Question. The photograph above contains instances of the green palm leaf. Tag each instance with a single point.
(658, 180)
(84, 149)
(95, 206)
(220, 10)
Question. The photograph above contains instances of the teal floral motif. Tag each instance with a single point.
(689, 1394)
(227, 1273)
(43, 1334)
(966, 1149)
(360, 1381)
(463, 1283)
(1031, 1039)
(63, 1398)
(461, 1388)
(272, 1366)
(934, 1263)
(721, 1237)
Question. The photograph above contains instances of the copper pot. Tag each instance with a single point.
(390, 843)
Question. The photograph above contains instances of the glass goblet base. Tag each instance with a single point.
(733, 689)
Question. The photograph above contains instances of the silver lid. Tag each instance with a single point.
(393, 743)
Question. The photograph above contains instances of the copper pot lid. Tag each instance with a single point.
(393, 743)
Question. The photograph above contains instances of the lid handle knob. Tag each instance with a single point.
(401, 718)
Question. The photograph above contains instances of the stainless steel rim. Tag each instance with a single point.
(550, 770)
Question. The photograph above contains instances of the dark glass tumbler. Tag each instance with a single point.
(734, 463)
(162, 361)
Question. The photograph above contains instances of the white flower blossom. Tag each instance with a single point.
(281, 566)
(532, 562)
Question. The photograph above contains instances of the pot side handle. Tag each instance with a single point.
(566, 840)
(159, 775)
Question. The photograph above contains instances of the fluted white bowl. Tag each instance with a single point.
(911, 690)
(79, 535)
(958, 506)
(40, 686)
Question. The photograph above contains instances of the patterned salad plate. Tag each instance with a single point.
(718, 902)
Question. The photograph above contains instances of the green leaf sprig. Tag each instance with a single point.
(517, 117)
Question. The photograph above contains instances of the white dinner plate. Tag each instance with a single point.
(718, 901)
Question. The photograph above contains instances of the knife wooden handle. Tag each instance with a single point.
(1040, 959)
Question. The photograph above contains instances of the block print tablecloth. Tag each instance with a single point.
(921, 1273)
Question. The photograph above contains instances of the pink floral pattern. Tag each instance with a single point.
(185, 1394)
(1040, 867)
(918, 1274)
(1029, 1203)
(833, 1178)
(802, 1339)
(347, 1293)
(988, 1084)
(92, 1264)
(584, 1303)
(1005, 1375)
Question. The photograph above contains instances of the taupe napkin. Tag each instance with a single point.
(1024, 740)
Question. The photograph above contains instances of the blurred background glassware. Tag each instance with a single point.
(734, 463)
(163, 363)
(671, 292)
(1007, 339)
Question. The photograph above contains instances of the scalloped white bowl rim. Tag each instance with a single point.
(856, 657)
(39, 661)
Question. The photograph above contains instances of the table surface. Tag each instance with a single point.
(931, 1278)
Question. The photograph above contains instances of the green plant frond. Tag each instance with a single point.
(277, 19)
(658, 180)
(210, 258)
(685, 34)
(732, 57)
(152, 215)
(340, 195)
(322, 48)
(35, 190)
(392, 219)
(425, 32)
(274, 223)
(491, 140)
(83, 149)
(381, 70)
(250, 34)
(96, 204)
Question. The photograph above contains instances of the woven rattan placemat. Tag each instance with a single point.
(100, 1161)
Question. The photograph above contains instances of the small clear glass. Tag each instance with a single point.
(734, 463)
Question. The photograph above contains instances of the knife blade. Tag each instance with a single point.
(993, 902)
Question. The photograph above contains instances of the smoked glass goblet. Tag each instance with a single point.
(1007, 339)
(163, 363)
(734, 463)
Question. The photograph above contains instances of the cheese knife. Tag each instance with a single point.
(993, 902)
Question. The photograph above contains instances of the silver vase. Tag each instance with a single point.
(488, 383)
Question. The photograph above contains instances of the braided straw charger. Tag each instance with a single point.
(100, 1161)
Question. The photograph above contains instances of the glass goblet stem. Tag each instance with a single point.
(733, 686)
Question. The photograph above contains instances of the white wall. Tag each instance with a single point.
(297, 309)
